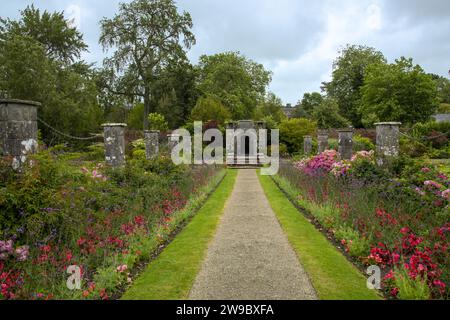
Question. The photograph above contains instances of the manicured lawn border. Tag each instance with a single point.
(332, 275)
(171, 275)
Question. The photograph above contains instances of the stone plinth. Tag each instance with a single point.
(307, 145)
(114, 135)
(151, 138)
(18, 130)
(388, 145)
(322, 140)
(345, 144)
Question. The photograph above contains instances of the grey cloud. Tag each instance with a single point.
(293, 38)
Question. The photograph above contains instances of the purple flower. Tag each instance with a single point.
(6, 246)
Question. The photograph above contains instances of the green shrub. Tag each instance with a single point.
(157, 122)
(356, 246)
(292, 132)
(210, 109)
(410, 289)
(362, 144)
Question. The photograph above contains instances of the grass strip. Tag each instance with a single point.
(172, 274)
(332, 275)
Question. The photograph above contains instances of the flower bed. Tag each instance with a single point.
(62, 213)
(398, 220)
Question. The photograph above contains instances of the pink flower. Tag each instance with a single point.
(426, 170)
(446, 194)
(433, 184)
(22, 253)
(394, 292)
(122, 268)
(420, 192)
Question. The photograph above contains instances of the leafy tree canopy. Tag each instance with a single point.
(400, 91)
(308, 104)
(145, 36)
(239, 83)
(37, 63)
(210, 109)
(271, 107)
(59, 40)
(328, 117)
(349, 70)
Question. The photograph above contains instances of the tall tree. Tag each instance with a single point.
(308, 104)
(327, 116)
(239, 83)
(272, 107)
(349, 70)
(145, 35)
(59, 40)
(400, 91)
(38, 61)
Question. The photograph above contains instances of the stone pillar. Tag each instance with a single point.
(322, 139)
(114, 135)
(388, 145)
(18, 130)
(262, 141)
(230, 144)
(345, 144)
(173, 140)
(307, 145)
(151, 138)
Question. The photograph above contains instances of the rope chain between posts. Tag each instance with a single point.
(68, 135)
(424, 138)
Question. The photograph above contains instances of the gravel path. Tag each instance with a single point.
(250, 257)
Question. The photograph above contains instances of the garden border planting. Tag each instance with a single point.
(333, 277)
(171, 275)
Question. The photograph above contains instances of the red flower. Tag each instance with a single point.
(394, 292)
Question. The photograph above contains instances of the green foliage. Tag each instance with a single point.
(59, 40)
(36, 63)
(327, 115)
(157, 122)
(349, 71)
(309, 103)
(175, 92)
(357, 246)
(136, 63)
(292, 132)
(239, 83)
(398, 92)
(362, 144)
(271, 108)
(444, 108)
(210, 109)
(410, 289)
(136, 117)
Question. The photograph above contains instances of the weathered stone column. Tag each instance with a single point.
(18, 130)
(262, 141)
(230, 144)
(151, 138)
(322, 139)
(388, 145)
(345, 144)
(307, 145)
(173, 140)
(114, 135)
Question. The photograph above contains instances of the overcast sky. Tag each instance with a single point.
(296, 39)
